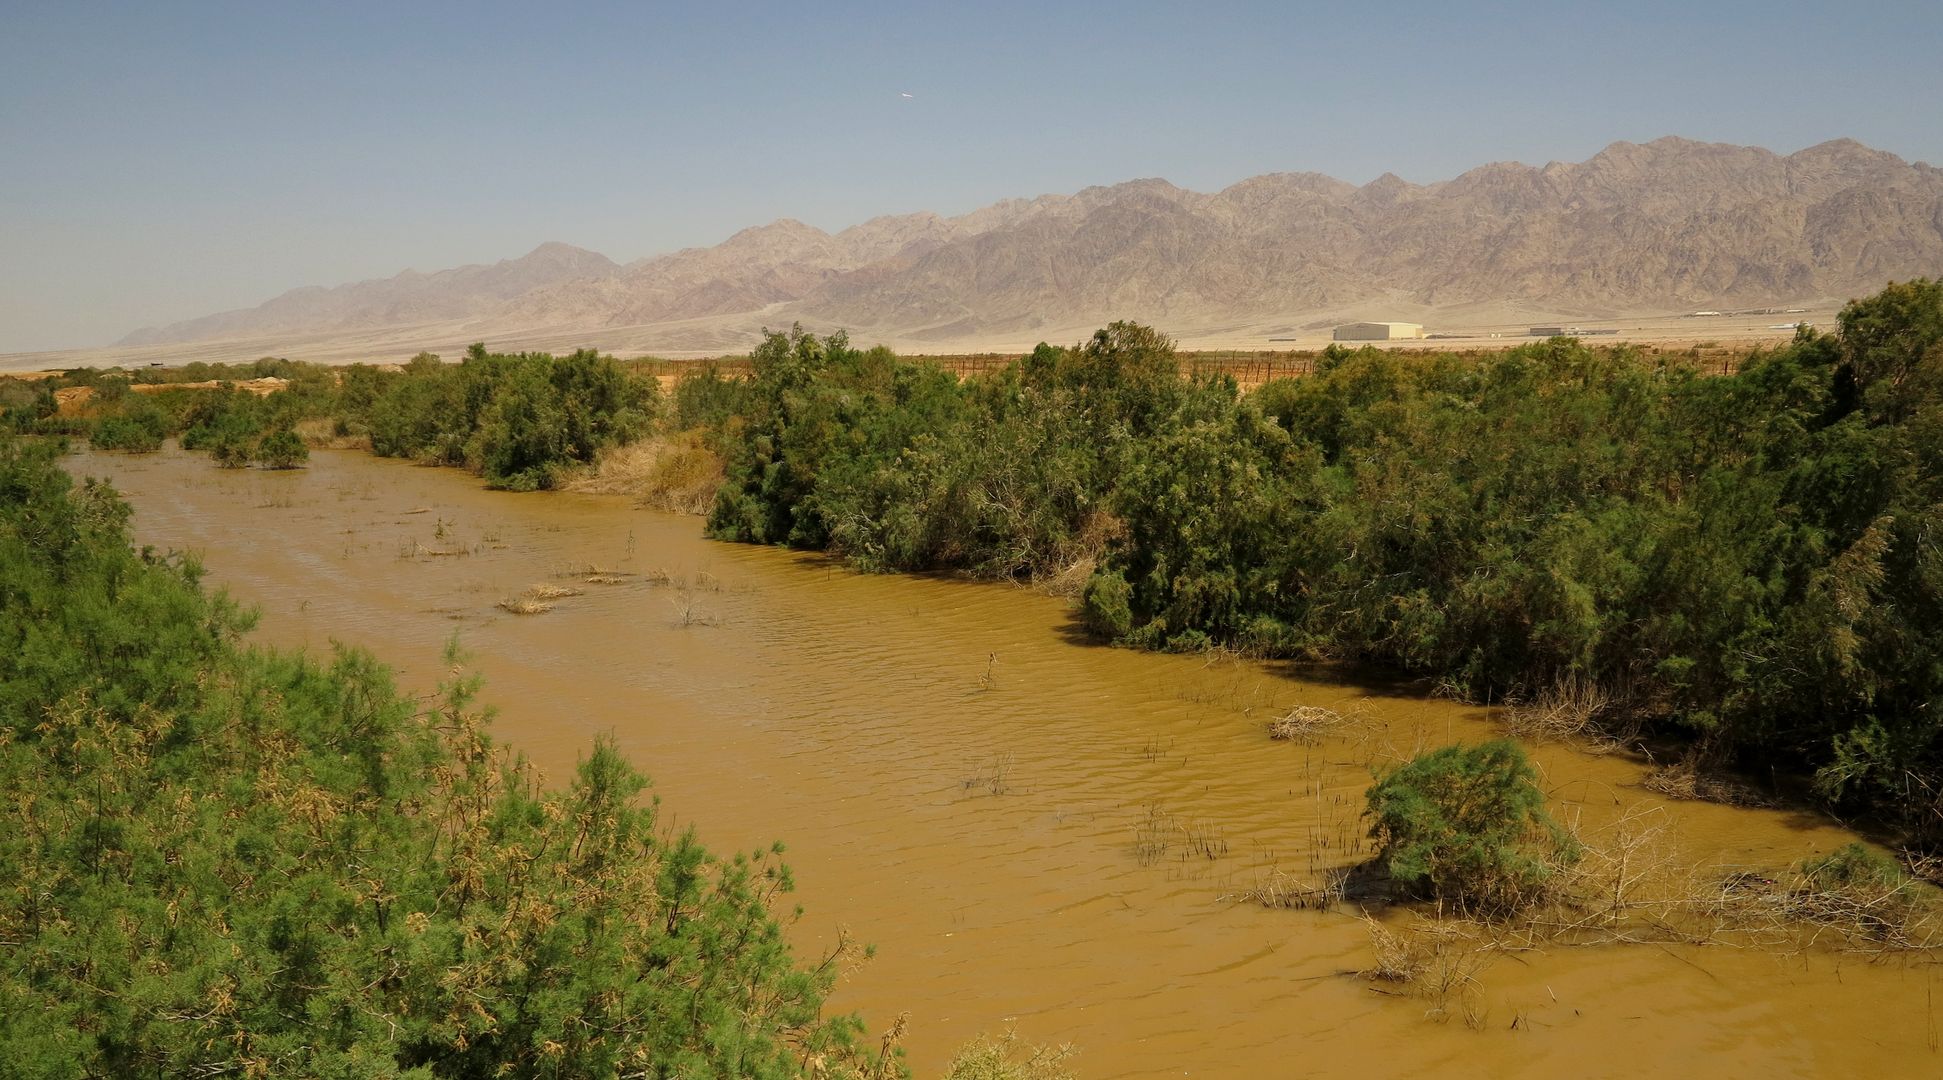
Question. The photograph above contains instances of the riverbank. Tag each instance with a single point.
(774, 694)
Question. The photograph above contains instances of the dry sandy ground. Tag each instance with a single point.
(1469, 328)
(73, 400)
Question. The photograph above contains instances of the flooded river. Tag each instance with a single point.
(965, 782)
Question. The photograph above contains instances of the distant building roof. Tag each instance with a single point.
(1378, 331)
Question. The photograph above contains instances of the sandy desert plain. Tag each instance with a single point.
(1471, 327)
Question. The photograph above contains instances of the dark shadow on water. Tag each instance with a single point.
(1789, 796)
(1371, 679)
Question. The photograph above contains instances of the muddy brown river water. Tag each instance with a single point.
(962, 780)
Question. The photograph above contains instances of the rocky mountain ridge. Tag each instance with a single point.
(1656, 226)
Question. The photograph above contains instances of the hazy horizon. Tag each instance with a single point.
(165, 165)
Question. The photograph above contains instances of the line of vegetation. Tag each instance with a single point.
(517, 419)
(225, 860)
(237, 427)
(1748, 565)
(524, 421)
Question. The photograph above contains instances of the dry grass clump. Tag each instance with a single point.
(1892, 915)
(323, 434)
(1076, 559)
(1866, 899)
(1630, 887)
(1923, 867)
(1571, 708)
(1305, 724)
(1007, 1058)
(676, 473)
(1400, 957)
(537, 599)
(1284, 890)
(522, 605)
(1438, 960)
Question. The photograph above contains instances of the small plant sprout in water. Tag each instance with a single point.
(992, 777)
(689, 611)
(1163, 834)
(1155, 748)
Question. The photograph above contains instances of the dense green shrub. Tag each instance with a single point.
(227, 426)
(705, 398)
(1467, 824)
(520, 419)
(1104, 603)
(281, 449)
(422, 413)
(230, 451)
(223, 860)
(135, 433)
(25, 403)
(901, 466)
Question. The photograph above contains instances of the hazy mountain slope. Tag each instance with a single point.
(408, 298)
(1637, 227)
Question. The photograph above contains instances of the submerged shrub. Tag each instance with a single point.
(1852, 866)
(282, 449)
(1467, 824)
(127, 433)
(522, 420)
(1105, 604)
(229, 449)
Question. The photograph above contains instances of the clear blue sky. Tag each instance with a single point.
(164, 160)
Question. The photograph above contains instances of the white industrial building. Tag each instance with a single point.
(1379, 331)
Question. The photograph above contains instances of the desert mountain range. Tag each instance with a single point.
(1656, 227)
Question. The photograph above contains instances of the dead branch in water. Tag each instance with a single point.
(521, 605)
(537, 599)
(1281, 889)
(1688, 783)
